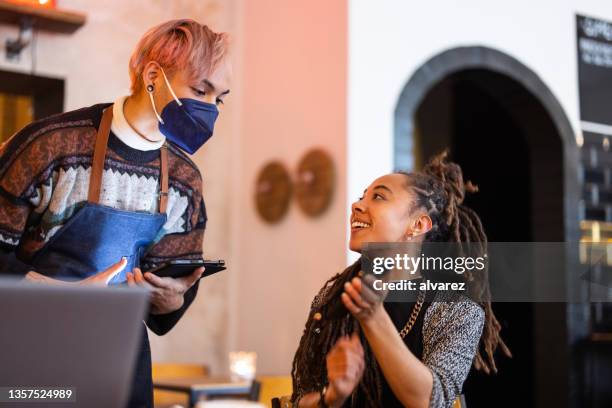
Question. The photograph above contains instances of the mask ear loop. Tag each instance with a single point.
(170, 88)
(150, 92)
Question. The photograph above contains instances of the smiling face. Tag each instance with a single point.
(387, 213)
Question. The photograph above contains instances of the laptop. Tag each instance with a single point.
(82, 340)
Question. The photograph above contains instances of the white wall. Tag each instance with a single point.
(94, 63)
(389, 40)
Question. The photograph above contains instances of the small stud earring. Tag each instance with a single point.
(150, 88)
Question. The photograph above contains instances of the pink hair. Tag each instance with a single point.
(178, 45)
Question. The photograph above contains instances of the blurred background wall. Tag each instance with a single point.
(293, 75)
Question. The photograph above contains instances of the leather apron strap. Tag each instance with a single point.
(163, 193)
(97, 166)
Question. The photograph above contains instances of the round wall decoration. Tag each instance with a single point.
(273, 192)
(314, 183)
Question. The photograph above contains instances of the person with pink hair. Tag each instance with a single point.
(99, 194)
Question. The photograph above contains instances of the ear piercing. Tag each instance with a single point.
(150, 88)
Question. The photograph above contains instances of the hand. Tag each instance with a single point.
(345, 365)
(167, 294)
(361, 300)
(100, 278)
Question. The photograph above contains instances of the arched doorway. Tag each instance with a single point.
(512, 138)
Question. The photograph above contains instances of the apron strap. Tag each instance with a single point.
(163, 194)
(97, 166)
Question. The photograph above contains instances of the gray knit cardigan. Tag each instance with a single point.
(451, 333)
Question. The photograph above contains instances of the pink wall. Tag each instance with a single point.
(292, 70)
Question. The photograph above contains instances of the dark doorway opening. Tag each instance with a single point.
(507, 143)
(25, 98)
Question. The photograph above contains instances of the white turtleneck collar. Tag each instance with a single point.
(124, 132)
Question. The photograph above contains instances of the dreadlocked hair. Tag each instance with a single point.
(309, 371)
(440, 190)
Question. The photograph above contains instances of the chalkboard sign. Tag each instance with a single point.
(594, 38)
(595, 70)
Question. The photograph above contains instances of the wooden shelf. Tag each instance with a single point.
(49, 19)
(601, 337)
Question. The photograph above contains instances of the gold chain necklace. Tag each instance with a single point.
(413, 316)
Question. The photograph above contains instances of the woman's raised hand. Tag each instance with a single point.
(361, 300)
(345, 365)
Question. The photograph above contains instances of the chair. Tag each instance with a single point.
(282, 402)
(272, 386)
(252, 395)
(164, 398)
(178, 370)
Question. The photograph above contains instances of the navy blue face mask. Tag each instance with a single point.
(187, 122)
(189, 125)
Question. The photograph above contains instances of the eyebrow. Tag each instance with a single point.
(380, 186)
(383, 187)
(212, 87)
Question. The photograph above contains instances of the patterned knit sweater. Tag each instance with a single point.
(44, 180)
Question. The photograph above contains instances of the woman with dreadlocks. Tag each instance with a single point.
(358, 351)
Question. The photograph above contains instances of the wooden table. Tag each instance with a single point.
(206, 387)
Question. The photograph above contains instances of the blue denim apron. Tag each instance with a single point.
(97, 236)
